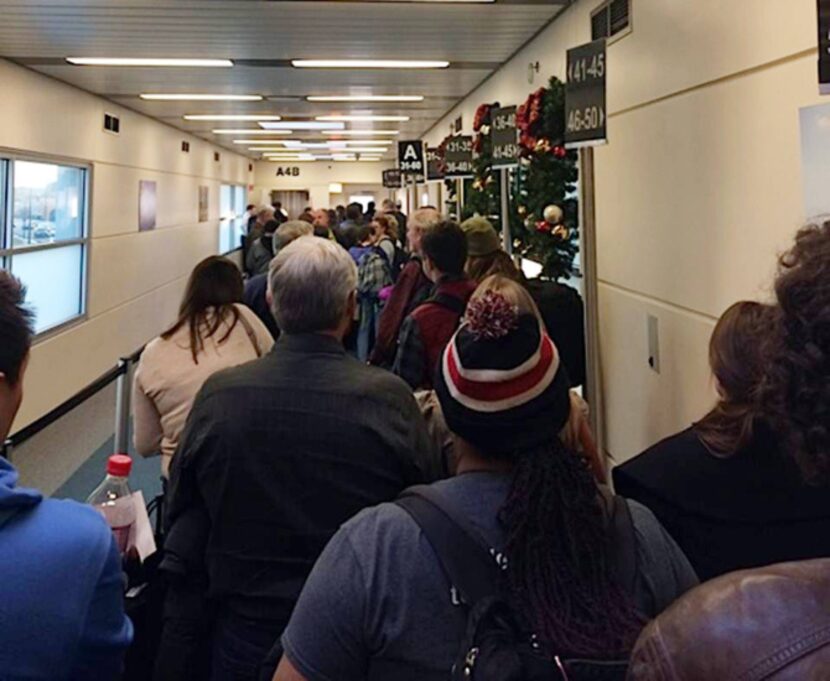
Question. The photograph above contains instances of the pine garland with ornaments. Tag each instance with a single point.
(483, 197)
(545, 209)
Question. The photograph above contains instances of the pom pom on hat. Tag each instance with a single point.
(492, 316)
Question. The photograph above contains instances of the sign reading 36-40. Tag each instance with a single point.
(585, 108)
(505, 147)
(411, 157)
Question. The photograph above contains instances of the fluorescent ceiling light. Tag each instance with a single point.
(249, 131)
(361, 119)
(255, 141)
(201, 98)
(366, 98)
(365, 150)
(231, 117)
(367, 133)
(119, 61)
(367, 64)
(298, 125)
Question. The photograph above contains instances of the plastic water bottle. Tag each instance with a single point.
(113, 499)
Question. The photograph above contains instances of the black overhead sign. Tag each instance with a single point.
(503, 131)
(435, 170)
(392, 179)
(458, 155)
(824, 46)
(585, 111)
(411, 157)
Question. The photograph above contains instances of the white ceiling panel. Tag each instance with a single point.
(262, 36)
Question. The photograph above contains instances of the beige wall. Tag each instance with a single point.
(135, 279)
(697, 191)
(315, 178)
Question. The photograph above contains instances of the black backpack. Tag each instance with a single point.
(495, 647)
(398, 260)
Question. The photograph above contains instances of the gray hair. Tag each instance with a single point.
(424, 218)
(288, 231)
(310, 281)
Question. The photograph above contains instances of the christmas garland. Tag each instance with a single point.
(483, 197)
(544, 210)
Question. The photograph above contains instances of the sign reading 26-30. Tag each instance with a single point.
(585, 109)
(411, 157)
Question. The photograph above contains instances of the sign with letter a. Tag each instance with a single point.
(824, 46)
(411, 157)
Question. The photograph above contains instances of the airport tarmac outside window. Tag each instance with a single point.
(44, 236)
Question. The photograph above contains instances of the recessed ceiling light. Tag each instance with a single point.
(362, 119)
(367, 64)
(119, 61)
(366, 98)
(361, 133)
(249, 131)
(298, 125)
(201, 98)
(231, 117)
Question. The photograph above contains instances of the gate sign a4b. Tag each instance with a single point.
(411, 157)
(585, 108)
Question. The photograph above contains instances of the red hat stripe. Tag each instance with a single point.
(486, 395)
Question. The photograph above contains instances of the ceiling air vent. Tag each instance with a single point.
(610, 19)
(112, 124)
(185, 147)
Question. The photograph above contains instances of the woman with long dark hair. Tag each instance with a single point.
(214, 331)
(726, 488)
(378, 604)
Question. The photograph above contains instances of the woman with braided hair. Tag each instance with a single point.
(379, 604)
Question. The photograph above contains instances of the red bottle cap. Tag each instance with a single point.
(120, 465)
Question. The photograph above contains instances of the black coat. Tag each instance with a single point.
(744, 511)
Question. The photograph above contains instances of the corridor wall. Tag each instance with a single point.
(697, 191)
(135, 278)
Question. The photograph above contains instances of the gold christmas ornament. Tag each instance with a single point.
(553, 215)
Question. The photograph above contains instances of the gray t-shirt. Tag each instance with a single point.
(378, 598)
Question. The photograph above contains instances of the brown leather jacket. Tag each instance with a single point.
(768, 624)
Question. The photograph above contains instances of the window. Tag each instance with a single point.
(43, 236)
(232, 224)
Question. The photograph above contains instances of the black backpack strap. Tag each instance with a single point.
(463, 554)
(450, 302)
(624, 541)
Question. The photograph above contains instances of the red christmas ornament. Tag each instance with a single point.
(543, 227)
(560, 152)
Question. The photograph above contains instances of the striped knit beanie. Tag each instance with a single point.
(501, 384)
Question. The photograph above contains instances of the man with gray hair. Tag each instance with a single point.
(411, 289)
(283, 450)
(255, 295)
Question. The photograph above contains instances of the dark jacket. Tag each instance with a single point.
(255, 297)
(769, 624)
(411, 289)
(426, 332)
(281, 452)
(260, 254)
(744, 511)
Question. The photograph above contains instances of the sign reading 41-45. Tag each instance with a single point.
(585, 109)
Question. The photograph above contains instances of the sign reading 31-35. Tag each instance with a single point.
(585, 108)
(411, 157)
(458, 156)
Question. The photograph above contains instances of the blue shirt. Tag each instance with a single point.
(61, 589)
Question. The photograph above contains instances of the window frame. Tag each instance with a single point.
(7, 251)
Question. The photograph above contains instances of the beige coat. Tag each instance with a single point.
(167, 380)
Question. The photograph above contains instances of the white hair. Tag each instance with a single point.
(310, 281)
(289, 231)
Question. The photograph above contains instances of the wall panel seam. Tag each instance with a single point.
(654, 300)
(716, 81)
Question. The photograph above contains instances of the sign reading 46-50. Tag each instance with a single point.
(585, 110)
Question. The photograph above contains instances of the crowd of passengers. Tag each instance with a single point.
(377, 468)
